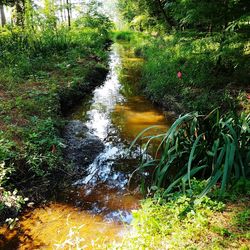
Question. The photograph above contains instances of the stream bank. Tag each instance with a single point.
(104, 126)
(181, 73)
(31, 157)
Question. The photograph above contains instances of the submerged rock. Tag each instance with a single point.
(82, 147)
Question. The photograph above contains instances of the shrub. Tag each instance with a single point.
(123, 35)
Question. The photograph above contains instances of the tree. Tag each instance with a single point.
(50, 13)
(200, 15)
(2, 14)
(68, 8)
(19, 10)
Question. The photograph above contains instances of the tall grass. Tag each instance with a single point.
(213, 147)
(208, 65)
(123, 35)
(41, 66)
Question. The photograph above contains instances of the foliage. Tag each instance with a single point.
(42, 61)
(191, 14)
(6, 148)
(42, 146)
(95, 20)
(242, 219)
(183, 221)
(143, 14)
(213, 147)
(177, 223)
(4, 172)
(123, 35)
(12, 200)
(209, 73)
(9, 199)
(207, 42)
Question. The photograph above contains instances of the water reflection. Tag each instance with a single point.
(104, 100)
(60, 226)
(137, 114)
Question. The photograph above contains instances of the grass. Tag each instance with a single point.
(42, 75)
(214, 73)
(184, 221)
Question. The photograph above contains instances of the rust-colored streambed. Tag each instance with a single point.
(97, 208)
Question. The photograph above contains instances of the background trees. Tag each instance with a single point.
(191, 14)
(56, 11)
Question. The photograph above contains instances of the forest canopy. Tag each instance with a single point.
(202, 15)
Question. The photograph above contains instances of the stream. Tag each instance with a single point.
(97, 207)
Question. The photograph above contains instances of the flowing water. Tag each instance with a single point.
(97, 207)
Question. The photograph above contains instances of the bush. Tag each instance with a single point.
(123, 35)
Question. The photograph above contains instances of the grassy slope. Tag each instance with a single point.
(208, 81)
(34, 90)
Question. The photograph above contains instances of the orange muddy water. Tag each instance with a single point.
(96, 209)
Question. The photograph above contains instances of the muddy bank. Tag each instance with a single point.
(82, 147)
(71, 95)
(40, 188)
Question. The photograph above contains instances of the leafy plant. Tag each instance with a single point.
(123, 35)
(6, 148)
(43, 146)
(242, 219)
(178, 223)
(213, 147)
(4, 172)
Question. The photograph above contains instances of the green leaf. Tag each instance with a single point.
(211, 183)
(192, 157)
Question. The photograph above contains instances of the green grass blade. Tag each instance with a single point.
(211, 183)
(183, 179)
(192, 157)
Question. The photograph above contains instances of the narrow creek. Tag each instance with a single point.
(97, 207)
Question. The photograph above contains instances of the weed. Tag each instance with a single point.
(242, 219)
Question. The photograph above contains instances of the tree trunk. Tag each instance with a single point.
(167, 19)
(68, 12)
(64, 11)
(3, 18)
(61, 10)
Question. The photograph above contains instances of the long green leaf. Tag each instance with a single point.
(230, 150)
(191, 157)
(211, 183)
(183, 178)
(140, 135)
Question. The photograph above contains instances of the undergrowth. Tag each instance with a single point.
(43, 72)
(214, 69)
(187, 223)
